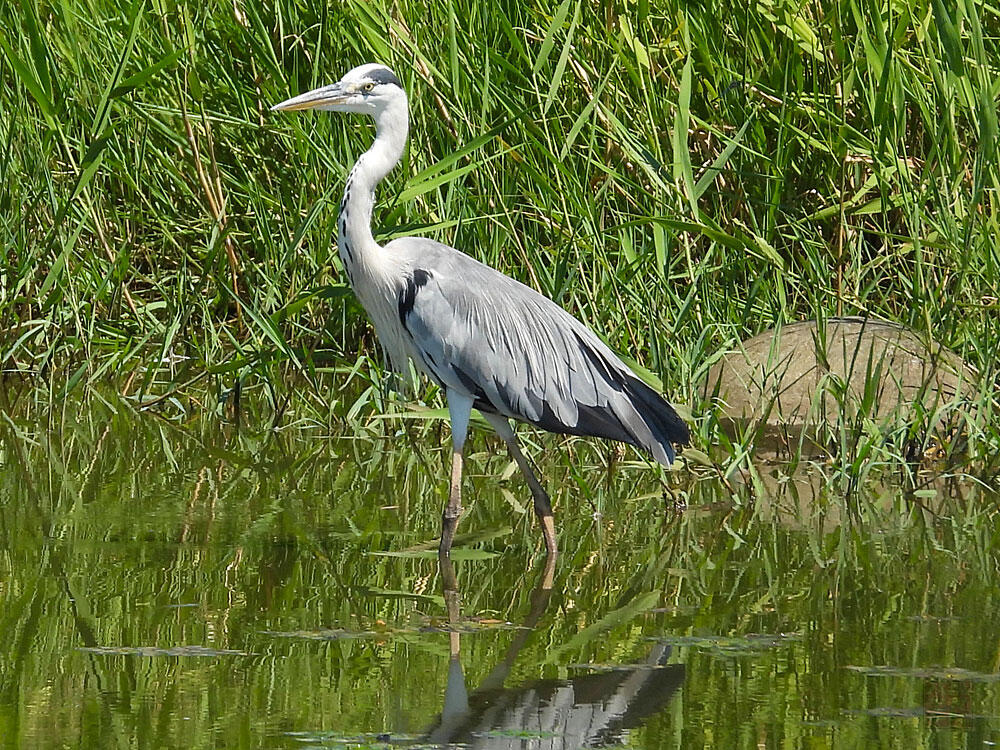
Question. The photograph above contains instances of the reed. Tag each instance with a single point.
(679, 177)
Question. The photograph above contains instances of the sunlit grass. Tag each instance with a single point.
(678, 177)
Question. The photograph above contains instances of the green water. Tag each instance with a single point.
(181, 583)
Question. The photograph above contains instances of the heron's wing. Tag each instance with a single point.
(521, 355)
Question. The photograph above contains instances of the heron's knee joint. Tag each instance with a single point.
(542, 505)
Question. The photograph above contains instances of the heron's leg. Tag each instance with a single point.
(459, 410)
(543, 508)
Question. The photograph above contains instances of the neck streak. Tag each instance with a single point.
(355, 240)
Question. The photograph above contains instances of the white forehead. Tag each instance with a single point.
(369, 71)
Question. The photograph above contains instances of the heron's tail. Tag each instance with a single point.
(664, 428)
(631, 411)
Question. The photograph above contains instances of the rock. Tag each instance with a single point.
(814, 378)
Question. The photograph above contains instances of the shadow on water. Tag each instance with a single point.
(587, 710)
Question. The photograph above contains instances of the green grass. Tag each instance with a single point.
(678, 176)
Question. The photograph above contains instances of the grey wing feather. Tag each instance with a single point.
(519, 354)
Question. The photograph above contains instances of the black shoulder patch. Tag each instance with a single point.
(408, 294)
(384, 75)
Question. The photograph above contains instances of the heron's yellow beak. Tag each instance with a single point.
(325, 96)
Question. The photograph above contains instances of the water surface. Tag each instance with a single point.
(170, 581)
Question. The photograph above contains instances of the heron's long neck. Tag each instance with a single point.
(357, 245)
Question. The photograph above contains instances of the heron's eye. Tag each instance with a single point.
(367, 88)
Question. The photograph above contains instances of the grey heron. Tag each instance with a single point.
(489, 341)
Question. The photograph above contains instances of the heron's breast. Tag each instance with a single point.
(378, 294)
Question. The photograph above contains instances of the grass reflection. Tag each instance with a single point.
(192, 585)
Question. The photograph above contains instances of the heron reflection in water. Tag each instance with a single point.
(589, 710)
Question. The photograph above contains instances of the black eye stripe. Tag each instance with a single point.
(384, 75)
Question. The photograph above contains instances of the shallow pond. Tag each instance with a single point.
(181, 583)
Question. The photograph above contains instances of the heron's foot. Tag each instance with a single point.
(449, 524)
(453, 510)
(543, 511)
(548, 574)
(549, 532)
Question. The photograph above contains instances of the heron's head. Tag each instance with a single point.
(367, 89)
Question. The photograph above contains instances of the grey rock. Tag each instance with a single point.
(813, 377)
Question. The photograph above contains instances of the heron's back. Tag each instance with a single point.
(519, 354)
